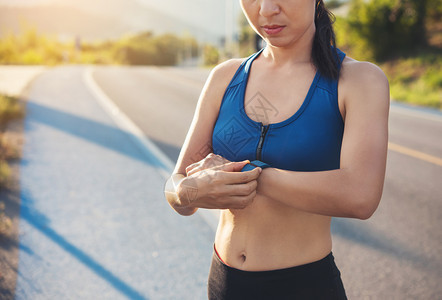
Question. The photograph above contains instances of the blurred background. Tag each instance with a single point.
(96, 93)
(404, 37)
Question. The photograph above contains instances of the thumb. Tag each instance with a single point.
(234, 166)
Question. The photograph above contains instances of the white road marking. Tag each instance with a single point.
(125, 123)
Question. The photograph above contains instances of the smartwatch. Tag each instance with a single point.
(254, 164)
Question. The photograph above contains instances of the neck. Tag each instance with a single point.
(300, 51)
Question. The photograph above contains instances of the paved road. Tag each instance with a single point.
(393, 255)
(94, 223)
(160, 101)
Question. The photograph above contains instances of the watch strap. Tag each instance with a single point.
(254, 164)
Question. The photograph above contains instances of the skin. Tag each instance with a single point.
(273, 218)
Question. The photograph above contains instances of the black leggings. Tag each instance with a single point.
(317, 280)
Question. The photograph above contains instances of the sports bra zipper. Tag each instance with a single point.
(264, 129)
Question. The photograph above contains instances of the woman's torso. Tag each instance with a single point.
(304, 134)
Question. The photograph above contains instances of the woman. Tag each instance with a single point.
(316, 124)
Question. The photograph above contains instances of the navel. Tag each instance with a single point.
(243, 257)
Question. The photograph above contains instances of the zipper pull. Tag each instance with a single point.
(264, 129)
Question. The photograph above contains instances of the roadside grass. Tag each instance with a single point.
(5, 221)
(416, 80)
(10, 109)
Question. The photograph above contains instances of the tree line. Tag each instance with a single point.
(31, 47)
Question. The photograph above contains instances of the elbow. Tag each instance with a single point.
(178, 207)
(186, 211)
(365, 206)
(171, 194)
(182, 210)
(363, 211)
(365, 198)
(366, 203)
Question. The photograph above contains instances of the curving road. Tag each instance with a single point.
(93, 220)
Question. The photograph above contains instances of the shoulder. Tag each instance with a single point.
(219, 80)
(362, 72)
(225, 71)
(362, 82)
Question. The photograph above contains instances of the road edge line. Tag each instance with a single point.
(124, 123)
(147, 146)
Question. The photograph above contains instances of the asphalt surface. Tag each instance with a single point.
(160, 101)
(393, 255)
(94, 223)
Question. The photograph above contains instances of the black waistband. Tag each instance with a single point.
(301, 270)
(319, 280)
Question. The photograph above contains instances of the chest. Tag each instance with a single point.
(272, 97)
(309, 140)
(288, 120)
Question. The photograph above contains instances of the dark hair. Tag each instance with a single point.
(324, 54)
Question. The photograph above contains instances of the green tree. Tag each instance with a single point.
(147, 49)
(390, 27)
(333, 3)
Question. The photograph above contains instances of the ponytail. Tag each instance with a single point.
(324, 54)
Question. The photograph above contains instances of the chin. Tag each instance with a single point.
(283, 41)
(278, 43)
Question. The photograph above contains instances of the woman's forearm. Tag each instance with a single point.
(172, 195)
(338, 193)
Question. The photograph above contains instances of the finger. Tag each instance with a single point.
(215, 157)
(214, 162)
(191, 167)
(242, 189)
(211, 157)
(211, 154)
(194, 170)
(238, 177)
(234, 166)
(211, 160)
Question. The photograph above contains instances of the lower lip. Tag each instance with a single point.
(271, 31)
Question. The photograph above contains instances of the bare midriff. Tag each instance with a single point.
(269, 235)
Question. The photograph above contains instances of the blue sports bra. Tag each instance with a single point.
(310, 140)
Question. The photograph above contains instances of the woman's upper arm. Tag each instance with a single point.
(365, 93)
(198, 142)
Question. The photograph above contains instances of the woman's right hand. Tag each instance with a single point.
(220, 187)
